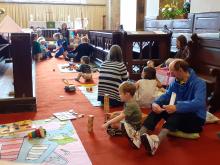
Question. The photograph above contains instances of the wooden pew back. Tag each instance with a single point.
(206, 62)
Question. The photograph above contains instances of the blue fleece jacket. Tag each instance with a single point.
(190, 96)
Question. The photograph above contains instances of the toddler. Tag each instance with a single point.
(84, 69)
(146, 87)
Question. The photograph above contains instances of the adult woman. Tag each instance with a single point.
(65, 33)
(112, 73)
(183, 50)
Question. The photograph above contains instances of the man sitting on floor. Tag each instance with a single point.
(187, 114)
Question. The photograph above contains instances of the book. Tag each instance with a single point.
(65, 115)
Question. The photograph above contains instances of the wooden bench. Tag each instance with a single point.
(205, 60)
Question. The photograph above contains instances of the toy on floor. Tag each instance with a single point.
(90, 123)
(40, 132)
(106, 106)
(69, 87)
(89, 89)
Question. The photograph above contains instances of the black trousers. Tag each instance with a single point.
(186, 122)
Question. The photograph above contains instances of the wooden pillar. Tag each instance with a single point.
(22, 64)
(140, 13)
(113, 14)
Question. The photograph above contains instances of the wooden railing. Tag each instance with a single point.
(137, 48)
(102, 42)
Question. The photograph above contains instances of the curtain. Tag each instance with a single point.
(20, 13)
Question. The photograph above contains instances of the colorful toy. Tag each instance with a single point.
(40, 132)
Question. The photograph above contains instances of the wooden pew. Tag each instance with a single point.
(205, 60)
(177, 26)
(23, 76)
(137, 48)
(102, 41)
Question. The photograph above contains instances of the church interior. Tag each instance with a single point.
(51, 112)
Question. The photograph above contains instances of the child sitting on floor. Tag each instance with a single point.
(36, 50)
(131, 113)
(146, 87)
(84, 69)
(60, 49)
(45, 51)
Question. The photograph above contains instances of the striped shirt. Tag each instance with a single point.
(112, 74)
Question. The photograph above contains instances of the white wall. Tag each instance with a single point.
(100, 2)
(198, 6)
(152, 8)
(128, 14)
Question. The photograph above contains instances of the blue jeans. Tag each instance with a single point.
(60, 52)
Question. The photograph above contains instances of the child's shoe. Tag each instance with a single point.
(114, 132)
(132, 134)
(150, 142)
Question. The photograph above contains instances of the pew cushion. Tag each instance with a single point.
(185, 135)
(210, 118)
(207, 78)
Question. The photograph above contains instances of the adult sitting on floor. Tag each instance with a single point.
(183, 50)
(84, 49)
(182, 53)
(112, 73)
(187, 114)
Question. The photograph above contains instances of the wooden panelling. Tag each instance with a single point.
(206, 62)
(206, 22)
(137, 48)
(22, 75)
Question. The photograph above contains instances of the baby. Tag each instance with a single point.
(84, 69)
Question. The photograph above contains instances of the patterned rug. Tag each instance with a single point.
(61, 146)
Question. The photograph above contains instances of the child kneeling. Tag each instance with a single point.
(131, 115)
(84, 69)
